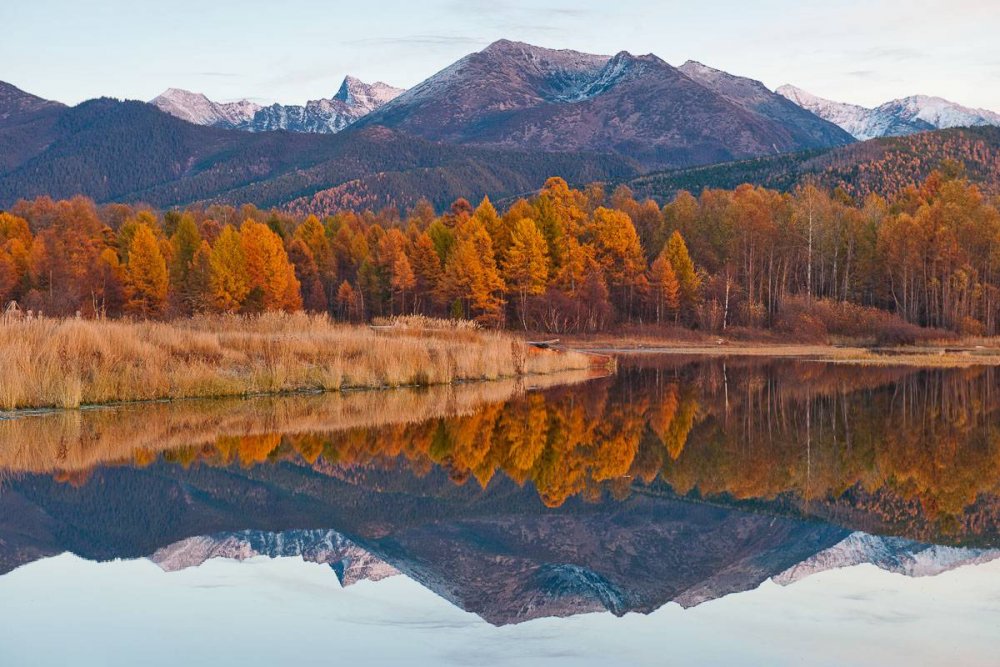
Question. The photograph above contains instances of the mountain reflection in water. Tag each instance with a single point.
(672, 480)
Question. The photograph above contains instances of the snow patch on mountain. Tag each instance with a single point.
(918, 113)
(198, 109)
(624, 66)
(355, 99)
(350, 562)
(893, 554)
(940, 112)
(554, 74)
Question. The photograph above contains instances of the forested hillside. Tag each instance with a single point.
(885, 166)
(132, 152)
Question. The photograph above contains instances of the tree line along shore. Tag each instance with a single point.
(803, 265)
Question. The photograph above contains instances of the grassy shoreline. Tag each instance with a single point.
(945, 355)
(69, 363)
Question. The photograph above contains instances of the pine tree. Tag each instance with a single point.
(229, 281)
(676, 253)
(184, 243)
(109, 286)
(268, 268)
(471, 275)
(347, 301)
(307, 273)
(666, 286)
(525, 267)
(147, 278)
(312, 233)
(426, 265)
(200, 279)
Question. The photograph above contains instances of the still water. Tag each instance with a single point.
(722, 512)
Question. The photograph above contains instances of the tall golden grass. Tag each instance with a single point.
(72, 441)
(67, 363)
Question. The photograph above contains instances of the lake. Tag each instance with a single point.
(680, 511)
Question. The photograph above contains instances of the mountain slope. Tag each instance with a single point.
(517, 95)
(805, 126)
(505, 77)
(895, 118)
(131, 151)
(26, 124)
(883, 166)
(353, 100)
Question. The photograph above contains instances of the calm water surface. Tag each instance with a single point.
(719, 512)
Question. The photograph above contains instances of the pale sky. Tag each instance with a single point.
(861, 51)
(66, 611)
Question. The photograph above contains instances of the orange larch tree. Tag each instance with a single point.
(146, 274)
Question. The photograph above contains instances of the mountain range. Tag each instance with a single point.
(514, 95)
(497, 122)
(353, 100)
(917, 113)
(498, 553)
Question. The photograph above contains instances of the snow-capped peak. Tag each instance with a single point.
(350, 562)
(917, 113)
(197, 108)
(893, 554)
(356, 93)
(353, 100)
(941, 113)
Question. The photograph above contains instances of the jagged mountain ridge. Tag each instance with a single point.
(585, 589)
(917, 113)
(499, 554)
(512, 94)
(352, 101)
(350, 562)
(491, 124)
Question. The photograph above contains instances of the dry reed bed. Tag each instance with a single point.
(78, 440)
(69, 363)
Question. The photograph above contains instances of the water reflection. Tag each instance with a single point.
(673, 480)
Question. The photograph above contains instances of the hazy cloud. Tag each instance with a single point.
(889, 53)
(416, 40)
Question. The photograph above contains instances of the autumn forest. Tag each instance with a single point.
(808, 263)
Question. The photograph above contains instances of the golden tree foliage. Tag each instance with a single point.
(748, 257)
(268, 269)
(229, 281)
(146, 274)
(525, 264)
(666, 286)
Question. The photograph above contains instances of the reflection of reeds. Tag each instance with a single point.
(67, 441)
(69, 363)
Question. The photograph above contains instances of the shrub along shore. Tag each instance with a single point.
(68, 363)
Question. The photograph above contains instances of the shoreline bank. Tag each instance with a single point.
(943, 356)
(73, 363)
